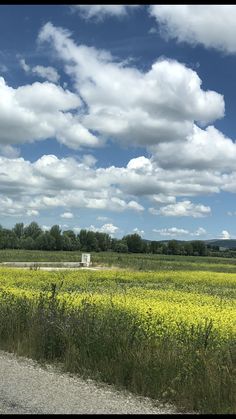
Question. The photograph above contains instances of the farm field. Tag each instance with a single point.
(166, 334)
(134, 261)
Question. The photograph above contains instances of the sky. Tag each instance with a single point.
(119, 119)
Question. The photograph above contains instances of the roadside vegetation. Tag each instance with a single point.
(168, 334)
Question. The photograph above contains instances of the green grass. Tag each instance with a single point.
(130, 261)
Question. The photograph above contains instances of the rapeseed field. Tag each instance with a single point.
(170, 335)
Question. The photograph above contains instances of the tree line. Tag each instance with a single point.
(33, 237)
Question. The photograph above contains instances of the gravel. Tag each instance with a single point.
(28, 388)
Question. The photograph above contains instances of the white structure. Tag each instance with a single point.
(86, 259)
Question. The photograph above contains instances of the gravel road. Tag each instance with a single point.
(28, 388)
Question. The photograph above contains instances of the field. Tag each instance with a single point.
(134, 261)
(164, 327)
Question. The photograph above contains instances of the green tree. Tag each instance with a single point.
(199, 248)
(32, 230)
(45, 241)
(134, 243)
(121, 246)
(104, 241)
(55, 232)
(173, 247)
(188, 248)
(28, 243)
(92, 242)
(83, 239)
(70, 241)
(18, 229)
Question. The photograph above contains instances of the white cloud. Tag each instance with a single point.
(134, 107)
(51, 182)
(23, 65)
(45, 228)
(67, 215)
(172, 231)
(32, 213)
(185, 209)
(109, 228)
(156, 109)
(161, 198)
(133, 205)
(140, 164)
(225, 235)
(203, 149)
(48, 73)
(89, 160)
(40, 111)
(101, 11)
(152, 31)
(175, 232)
(210, 25)
(76, 230)
(7, 150)
(199, 232)
(138, 231)
(231, 213)
(106, 228)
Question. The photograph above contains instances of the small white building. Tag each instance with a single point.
(86, 259)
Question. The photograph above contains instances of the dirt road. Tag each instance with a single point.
(27, 388)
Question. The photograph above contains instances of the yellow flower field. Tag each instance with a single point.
(189, 298)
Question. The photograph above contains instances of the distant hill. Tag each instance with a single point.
(228, 244)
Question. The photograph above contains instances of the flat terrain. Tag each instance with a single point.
(160, 326)
(27, 388)
(134, 261)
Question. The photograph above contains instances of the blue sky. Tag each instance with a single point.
(119, 119)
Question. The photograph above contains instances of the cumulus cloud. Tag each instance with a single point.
(51, 182)
(152, 31)
(225, 235)
(106, 228)
(130, 106)
(67, 215)
(99, 12)
(177, 232)
(32, 213)
(210, 25)
(138, 231)
(172, 231)
(89, 160)
(202, 149)
(40, 111)
(48, 73)
(199, 232)
(185, 209)
(45, 228)
(231, 213)
(163, 185)
(161, 198)
(7, 150)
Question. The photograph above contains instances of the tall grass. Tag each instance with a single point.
(189, 369)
